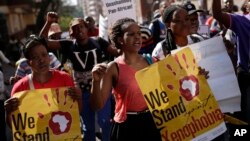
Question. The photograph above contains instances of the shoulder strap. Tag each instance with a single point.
(31, 85)
(195, 39)
(148, 58)
(164, 48)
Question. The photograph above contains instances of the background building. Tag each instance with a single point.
(144, 8)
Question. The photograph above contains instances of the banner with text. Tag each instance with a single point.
(103, 27)
(181, 101)
(46, 115)
(118, 9)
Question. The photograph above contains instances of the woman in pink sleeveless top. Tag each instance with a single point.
(132, 120)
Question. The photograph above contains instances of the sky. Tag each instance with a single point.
(72, 2)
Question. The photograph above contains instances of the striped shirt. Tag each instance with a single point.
(24, 69)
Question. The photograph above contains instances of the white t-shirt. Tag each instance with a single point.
(158, 52)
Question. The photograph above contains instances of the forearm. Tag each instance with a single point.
(220, 16)
(8, 119)
(45, 30)
(96, 99)
(216, 9)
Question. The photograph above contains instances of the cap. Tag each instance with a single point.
(54, 28)
(145, 32)
(191, 8)
(75, 21)
(157, 14)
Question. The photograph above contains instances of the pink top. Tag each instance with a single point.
(58, 79)
(128, 95)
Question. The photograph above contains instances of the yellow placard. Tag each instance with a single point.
(46, 115)
(180, 100)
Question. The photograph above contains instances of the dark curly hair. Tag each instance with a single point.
(32, 42)
(117, 30)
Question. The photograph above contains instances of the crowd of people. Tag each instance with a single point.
(102, 79)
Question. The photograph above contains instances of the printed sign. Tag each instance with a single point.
(119, 9)
(46, 115)
(180, 100)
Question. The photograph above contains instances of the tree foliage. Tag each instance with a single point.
(62, 7)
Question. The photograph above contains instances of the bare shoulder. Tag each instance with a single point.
(112, 66)
(113, 70)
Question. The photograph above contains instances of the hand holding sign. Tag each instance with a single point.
(180, 99)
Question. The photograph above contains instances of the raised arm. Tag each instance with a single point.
(103, 77)
(52, 17)
(220, 16)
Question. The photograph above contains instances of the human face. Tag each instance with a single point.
(248, 7)
(80, 32)
(131, 39)
(229, 6)
(90, 21)
(180, 24)
(194, 23)
(39, 59)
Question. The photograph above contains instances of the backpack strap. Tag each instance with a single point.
(148, 58)
(31, 85)
(164, 48)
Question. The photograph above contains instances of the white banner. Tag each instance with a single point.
(204, 30)
(103, 27)
(211, 54)
(118, 9)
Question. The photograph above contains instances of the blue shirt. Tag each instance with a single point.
(241, 27)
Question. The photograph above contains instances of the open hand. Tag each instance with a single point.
(11, 104)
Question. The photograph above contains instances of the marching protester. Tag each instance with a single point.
(41, 77)
(147, 41)
(84, 52)
(24, 69)
(22, 66)
(194, 21)
(157, 26)
(92, 28)
(132, 120)
(240, 25)
(178, 28)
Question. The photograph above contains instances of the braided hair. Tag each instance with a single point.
(117, 30)
(169, 43)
